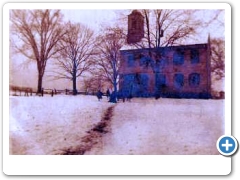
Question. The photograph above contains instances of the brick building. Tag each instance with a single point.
(177, 71)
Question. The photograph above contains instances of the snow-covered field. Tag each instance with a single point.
(55, 125)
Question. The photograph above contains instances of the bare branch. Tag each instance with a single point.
(108, 58)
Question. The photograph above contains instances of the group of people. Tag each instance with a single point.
(100, 94)
(113, 97)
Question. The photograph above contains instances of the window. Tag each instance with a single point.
(143, 91)
(194, 56)
(178, 80)
(194, 79)
(145, 61)
(131, 61)
(128, 81)
(178, 57)
(138, 78)
(160, 81)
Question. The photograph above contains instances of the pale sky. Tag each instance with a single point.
(93, 18)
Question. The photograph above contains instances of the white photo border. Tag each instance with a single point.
(117, 164)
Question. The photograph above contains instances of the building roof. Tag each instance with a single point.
(204, 45)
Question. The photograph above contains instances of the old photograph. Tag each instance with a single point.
(116, 81)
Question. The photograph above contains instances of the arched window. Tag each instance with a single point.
(160, 80)
(178, 80)
(194, 79)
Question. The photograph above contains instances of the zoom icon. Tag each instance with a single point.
(227, 145)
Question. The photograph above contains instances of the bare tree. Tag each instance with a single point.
(88, 85)
(171, 26)
(95, 82)
(218, 58)
(77, 46)
(36, 33)
(108, 62)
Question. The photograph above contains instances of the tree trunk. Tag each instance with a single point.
(113, 96)
(148, 29)
(115, 86)
(39, 87)
(74, 78)
(74, 85)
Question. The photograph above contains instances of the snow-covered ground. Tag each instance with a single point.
(52, 125)
(47, 125)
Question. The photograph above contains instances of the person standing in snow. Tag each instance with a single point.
(108, 93)
(99, 95)
(52, 93)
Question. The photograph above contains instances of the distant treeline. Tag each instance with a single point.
(19, 89)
